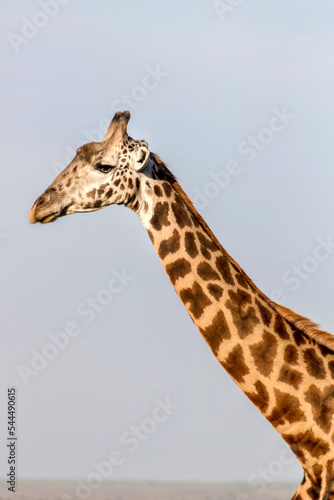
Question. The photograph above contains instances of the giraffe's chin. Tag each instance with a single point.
(49, 218)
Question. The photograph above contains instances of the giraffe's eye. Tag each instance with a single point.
(105, 169)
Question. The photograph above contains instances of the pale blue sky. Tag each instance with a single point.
(201, 88)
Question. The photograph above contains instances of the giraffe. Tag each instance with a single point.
(279, 359)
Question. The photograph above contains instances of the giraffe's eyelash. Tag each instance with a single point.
(105, 169)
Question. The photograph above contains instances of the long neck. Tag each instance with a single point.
(276, 365)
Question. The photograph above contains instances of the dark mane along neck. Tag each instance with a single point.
(161, 172)
(305, 325)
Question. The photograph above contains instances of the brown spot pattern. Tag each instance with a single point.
(215, 290)
(266, 314)
(325, 351)
(260, 398)
(167, 188)
(241, 281)
(216, 332)
(160, 216)
(316, 473)
(224, 267)
(206, 272)
(190, 244)
(314, 364)
(157, 191)
(196, 298)
(209, 244)
(290, 376)
(150, 236)
(101, 189)
(309, 442)
(178, 269)
(235, 364)
(181, 216)
(331, 368)
(322, 404)
(205, 252)
(91, 193)
(299, 337)
(317, 470)
(243, 313)
(264, 353)
(313, 493)
(291, 354)
(195, 221)
(287, 409)
(170, 245)
(280, 328)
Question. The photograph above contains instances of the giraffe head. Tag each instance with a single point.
(101, 174)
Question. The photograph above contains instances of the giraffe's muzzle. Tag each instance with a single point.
(41, 212)
(44, 220)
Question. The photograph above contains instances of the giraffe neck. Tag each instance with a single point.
(277, 366)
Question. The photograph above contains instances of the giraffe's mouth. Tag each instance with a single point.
(35, 214)
(48, 218)
(33, 217)
(44, 220)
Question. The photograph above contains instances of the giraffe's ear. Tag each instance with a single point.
(141, 158)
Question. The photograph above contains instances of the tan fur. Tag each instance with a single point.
(305, 325)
